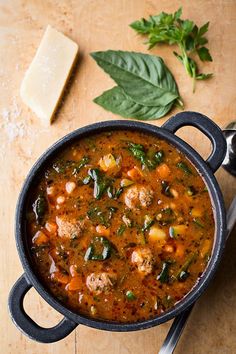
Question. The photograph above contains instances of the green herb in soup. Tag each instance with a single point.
(120, 226)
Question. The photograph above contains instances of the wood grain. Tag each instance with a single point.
(99, 25)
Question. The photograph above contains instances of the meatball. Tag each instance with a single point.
(69, 228)
(143, 259)
(138, 196)
(98, 283)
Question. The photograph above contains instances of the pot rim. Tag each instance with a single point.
(217, 204)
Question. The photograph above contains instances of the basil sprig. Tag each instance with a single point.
(146, 88)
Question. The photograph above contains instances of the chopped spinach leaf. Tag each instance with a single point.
(165, 189)
(191, 191)
(99, 249)
(168, 301)
(100, 183)
(184, 167)
(190, 259)
(164, 275)
(183, 275)
(103, 217)
(130, 295)
(148, 222)
(138, 151)
(198, 222)
(159, 156)
(78, 165)
(114, 193)
(121, 230)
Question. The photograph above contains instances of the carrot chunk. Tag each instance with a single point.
(60, 277)
(39, 238)
(163, 171)
(135, 173)
(74, 284)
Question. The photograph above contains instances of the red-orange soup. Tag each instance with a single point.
(121, 226)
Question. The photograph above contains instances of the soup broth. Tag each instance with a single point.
(121, 226)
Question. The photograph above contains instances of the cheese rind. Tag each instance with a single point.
(46, 77)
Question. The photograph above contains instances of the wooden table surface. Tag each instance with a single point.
(100, 25)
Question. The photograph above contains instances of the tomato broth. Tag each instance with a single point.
(120, 226)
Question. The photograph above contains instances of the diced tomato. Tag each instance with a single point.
(39, 238)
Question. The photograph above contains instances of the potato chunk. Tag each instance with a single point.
(156, 234)
(107, 162)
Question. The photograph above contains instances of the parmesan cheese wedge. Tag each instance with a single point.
(46, 77)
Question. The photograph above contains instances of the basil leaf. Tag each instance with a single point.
(116, 101)
(143, 77)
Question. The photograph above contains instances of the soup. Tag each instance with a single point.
(120, 226)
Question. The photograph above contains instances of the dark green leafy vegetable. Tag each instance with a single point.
(97, 216)
(168, 301)
(148, 222)
(78, 165)
(190, 259)
(170, 29)
(61, 166)
(184, 167)
(114, 193)
(138, 151)
(183, 275)
(143, 77)
(198, 222)
(159, 155)
(130, 295)
(165, 189)
(164, 275)
(167, 216)
(40, 208)
(100, 183)
(117, 101)
(121, 230)
(99, 249)
(191, 191)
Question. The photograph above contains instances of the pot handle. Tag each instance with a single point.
(26, 325)
(207, 127)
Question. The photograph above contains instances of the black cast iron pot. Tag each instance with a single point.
(30, 279)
